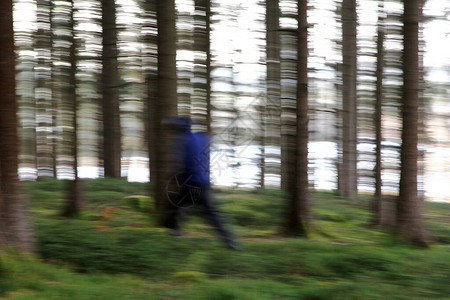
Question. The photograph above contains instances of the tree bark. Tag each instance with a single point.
(43, 89)
(273, 90)
(348, 172)
(262, 144)
(74, 202)
(14, 229)
(110, 79)
(151, 76)
(201, 101)
(166, 102)
(208, 69)
(379, 96)
(423, 107)
(272, 108)
(298, 191)
(409, 223)
(303, 196)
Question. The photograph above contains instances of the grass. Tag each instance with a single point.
(114, 251)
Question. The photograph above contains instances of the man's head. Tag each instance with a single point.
(178, 123)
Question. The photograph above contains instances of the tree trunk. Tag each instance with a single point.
(208, 69)
(166, 102)
(272, 108)
(298, 192)
(201, 100)
(43, 90)
(14, 229)
(74, 203)
(423, 108)
(110, 80)
(53, 99)
(150, 51)
(273, 90)
(302, 114)
(187, 40)
(378, 112)
(262, 144)
(349, 115)
(409, 222)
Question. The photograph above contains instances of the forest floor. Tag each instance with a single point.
(115, 251)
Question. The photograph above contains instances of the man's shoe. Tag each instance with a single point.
(233, 246)
(177, 232)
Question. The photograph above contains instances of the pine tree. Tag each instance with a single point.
(110, 103)
(409, 221)
(14, 229)
(348, 172)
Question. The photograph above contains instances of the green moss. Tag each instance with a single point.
(113, 251)
(190, 276)
(140, 203)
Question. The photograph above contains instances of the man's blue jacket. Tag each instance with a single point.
(195, 151)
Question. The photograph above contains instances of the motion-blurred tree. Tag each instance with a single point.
(390, 109)
(379, 95)
(45, 156)
(150, 66)
(166, 101)
(208, 67)
(201, 102)
(298, 210)
(424, 108)
(112, 149)
(186, 43)
(288, 36)
(303, 196)
(25, 92)
(14, 230)
(409, 220)
(273, 92)
(349, 179)
(74, 202)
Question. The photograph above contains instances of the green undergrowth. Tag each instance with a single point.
(113, 250)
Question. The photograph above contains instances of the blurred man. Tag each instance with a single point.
(189, 182)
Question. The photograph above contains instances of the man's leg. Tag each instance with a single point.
(213, 216)
(172, 218)
(173, 214)
(174, 207)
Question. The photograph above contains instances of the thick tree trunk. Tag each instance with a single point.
(409, 222)
(166, 102)
(349, 115)
(110, 80)
(298, 192)
(14, 229)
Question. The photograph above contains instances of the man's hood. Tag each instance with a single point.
(179, 122)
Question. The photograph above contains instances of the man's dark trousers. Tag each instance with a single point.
(198, 196)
